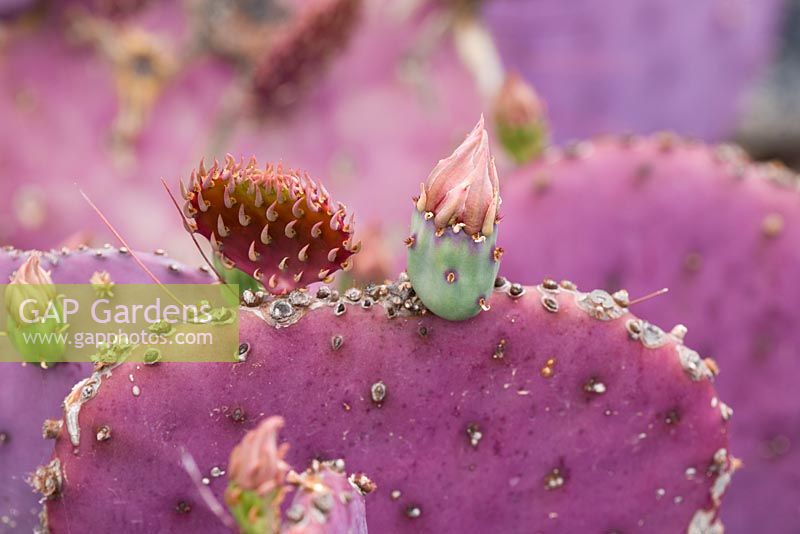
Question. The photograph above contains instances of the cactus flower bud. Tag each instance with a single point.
(463, 189)
(29, 282)
(257, 474)
(325, 500)
(31, 272)
(257, 463)
(520, 117)
(31, 289)
(452, 260)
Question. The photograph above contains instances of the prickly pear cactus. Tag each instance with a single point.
(554, 398)
(398, 80)
(30, 395)
(723, 234)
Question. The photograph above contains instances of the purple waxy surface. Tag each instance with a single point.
(30, 394)
(629, 65)
(533, 416)
(724, 235)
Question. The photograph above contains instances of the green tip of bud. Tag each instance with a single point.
(452, 272)
(521, 120)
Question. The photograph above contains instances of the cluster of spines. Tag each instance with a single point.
(278, 225)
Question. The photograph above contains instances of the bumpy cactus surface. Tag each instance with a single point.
(723, 234)
(29, 394)
(573, 413)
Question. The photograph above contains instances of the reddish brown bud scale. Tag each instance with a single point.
(276, 224)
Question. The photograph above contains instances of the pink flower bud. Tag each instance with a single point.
(517, 104)
(29, 283)
(463, 188)
(257, 463)
(31, 272)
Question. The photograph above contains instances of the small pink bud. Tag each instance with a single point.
(463, 188)
(31, 272)
(257, 463)
(517, 104)
(520, 118)
(29, 282)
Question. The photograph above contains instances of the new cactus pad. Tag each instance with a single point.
(723, 234)
(279, 226)
(30, 394)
